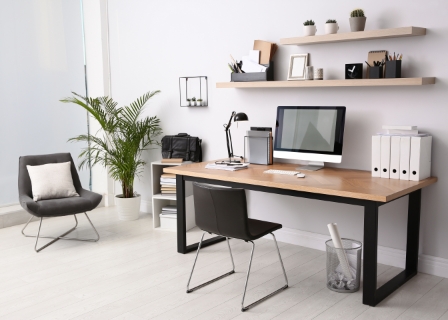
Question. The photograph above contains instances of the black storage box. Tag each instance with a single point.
(393, 69)
(268, 75)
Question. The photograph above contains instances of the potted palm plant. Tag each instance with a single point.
(119, 144)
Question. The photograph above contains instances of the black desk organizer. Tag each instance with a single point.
(268, 75)
(393, 69)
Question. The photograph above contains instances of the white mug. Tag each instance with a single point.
(331, 28)
(309, 30)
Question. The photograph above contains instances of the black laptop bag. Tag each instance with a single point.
(182, 146)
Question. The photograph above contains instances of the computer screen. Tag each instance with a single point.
(312, 130)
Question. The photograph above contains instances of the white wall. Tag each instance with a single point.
(153, 43)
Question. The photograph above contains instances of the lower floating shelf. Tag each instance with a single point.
(330, 83)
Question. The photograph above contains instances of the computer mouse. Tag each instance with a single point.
(300, 175)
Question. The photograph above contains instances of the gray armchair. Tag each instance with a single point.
(86, 201)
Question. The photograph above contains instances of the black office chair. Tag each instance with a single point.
(223, 211)
(86, 201)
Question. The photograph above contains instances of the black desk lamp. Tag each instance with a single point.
(236, 117)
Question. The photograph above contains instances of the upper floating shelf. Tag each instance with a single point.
(330, 83)
(356, 36)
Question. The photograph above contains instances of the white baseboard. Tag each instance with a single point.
(146, 206)
(389, 256)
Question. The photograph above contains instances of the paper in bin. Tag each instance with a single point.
(342, 256)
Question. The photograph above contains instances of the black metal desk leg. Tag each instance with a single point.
(181, 225)
(371, 295)
(370, 253)
(412, 244)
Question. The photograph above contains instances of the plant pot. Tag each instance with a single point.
(194, 104)
(199, 103)
(357, 23)
(189, 103)
(309, 30)
(128, 208)
(331, 28)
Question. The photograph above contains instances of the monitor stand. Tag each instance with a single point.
(312, 166)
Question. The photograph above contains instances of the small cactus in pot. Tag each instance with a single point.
(331, 26)
(309, 28)
(357, 20)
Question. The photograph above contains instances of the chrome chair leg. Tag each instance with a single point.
(62, 236)
(213, 280)
(280, 259)
(243, 308)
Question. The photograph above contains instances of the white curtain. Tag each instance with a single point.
(41, 62)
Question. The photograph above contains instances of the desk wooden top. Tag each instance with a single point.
(347, 183)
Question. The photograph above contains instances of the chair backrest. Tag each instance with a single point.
(24, 178)
(222, 211)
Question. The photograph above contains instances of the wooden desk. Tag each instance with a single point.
(353, 187)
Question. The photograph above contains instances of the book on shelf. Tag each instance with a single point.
(170, 208)
(170, 182)
(168, 185)
(168, 213)
(168, 191)
(168, 176)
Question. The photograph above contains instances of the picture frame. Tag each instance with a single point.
(297, 66)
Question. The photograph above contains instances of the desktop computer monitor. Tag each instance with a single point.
(314, 134)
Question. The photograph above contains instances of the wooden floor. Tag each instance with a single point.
(134, 272)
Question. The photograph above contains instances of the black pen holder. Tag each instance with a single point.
(393, 69)
(376, 72)
(268, 75)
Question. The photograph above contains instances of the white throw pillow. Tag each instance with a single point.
(52, 181)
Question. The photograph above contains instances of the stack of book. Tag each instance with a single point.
(169, 211)
(168, 183)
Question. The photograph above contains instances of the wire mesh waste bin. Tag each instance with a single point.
(344, 266)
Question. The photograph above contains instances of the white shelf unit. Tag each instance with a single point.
(160, 200)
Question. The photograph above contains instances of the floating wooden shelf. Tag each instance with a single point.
(330, 83)
(356, 36)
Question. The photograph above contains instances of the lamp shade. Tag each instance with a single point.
(241, 117)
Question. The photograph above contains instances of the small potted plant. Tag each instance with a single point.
(357, 20)
(200, 102)
(189, 102)
(309, 28)
(194, 101)
(331, 26)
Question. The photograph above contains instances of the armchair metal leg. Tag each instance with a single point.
(215, 279)
(243, 308)
(62, 236)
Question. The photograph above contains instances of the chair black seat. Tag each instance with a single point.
(259, 228)
(64, 206)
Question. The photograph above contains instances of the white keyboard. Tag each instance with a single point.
(287, 172)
